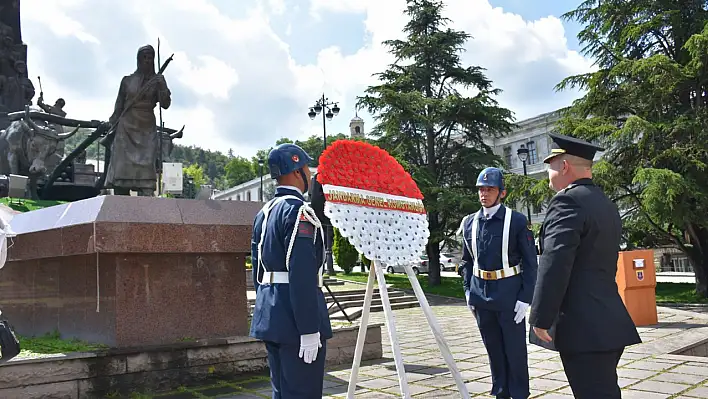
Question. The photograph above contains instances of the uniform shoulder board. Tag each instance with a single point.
(565, 190)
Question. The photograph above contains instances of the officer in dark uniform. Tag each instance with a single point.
(287, 250)
(499, 272)
(576, 306)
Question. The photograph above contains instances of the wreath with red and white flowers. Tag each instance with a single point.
(373, 202)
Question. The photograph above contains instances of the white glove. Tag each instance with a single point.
(520, 309)
(309, 346)
(467, 301)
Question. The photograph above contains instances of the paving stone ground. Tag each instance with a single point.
(646, 371)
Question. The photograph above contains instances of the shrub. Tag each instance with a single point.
(344, 253)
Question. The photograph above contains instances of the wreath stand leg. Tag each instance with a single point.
(391, 325)
(361, 337)
(437, 332)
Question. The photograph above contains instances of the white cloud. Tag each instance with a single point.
(235, 81)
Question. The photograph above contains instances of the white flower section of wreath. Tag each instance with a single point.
(389, 236)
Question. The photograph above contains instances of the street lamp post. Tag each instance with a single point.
(329, 110)
(523, 154)
(260, 172)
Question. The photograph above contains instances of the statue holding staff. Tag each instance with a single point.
(135, 144)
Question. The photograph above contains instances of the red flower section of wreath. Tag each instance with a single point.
(356, 164)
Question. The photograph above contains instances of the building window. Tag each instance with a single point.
(507, 156)
(533, 154)
(357, 129)
(248, 196)
(238, 197)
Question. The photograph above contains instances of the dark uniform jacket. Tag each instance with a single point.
(283, 312)
(576, 288)
(502, 294)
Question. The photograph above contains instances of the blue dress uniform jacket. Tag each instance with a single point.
(495, 300)
(294, 306)
(500, 294)
(283, 312)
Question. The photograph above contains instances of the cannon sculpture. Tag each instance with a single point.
(29, 141)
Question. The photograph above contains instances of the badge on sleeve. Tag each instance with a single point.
(305, 228)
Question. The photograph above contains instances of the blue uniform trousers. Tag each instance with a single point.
(506, 346)
(290, 376)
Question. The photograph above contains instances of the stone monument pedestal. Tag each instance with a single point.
(130, 271)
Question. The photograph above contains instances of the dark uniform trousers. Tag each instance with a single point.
(593, 375)
(494, 300)
(284, 311)
(505, 341)
(290, 377)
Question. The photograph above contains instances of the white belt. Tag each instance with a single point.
(496, 274)
(284, 278)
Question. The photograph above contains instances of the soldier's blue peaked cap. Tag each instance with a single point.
(285, 159)
(572, 146)
(491, 177)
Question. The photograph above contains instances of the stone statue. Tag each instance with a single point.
(26, 145)
(7, 65)
(135, 146)
(56, 109)
(18, 90)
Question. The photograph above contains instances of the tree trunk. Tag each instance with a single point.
(699, 259)
(433, 250)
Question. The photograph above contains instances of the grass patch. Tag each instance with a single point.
(678, 293)
(449, 286)
(51, 343)
(26, 205)
(452, 287)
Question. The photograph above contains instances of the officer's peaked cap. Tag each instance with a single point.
(286, 158)
(491, 177)
(572, 146)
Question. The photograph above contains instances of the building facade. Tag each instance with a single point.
(532, 133)
(250, 190)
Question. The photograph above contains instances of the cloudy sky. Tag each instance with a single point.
(245, 72)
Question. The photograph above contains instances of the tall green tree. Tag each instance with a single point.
(647, 103)
(239, 170)
(427, 122)
(196, 173)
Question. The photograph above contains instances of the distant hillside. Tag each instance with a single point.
(212, 162)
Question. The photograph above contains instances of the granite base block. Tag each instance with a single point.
(130, 271)
(159, 368)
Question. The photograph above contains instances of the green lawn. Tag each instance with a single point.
(26, 205)
(677, 293)
(452, 287)
(52, 343)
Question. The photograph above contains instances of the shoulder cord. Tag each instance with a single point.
(309, 214)
(306, 211)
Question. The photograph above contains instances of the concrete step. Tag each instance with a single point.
(376, 301)
(356, 296)
(355, 313)
(344, 293)
(352, 300)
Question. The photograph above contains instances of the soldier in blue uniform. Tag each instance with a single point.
(287, 250)
(499, 273)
